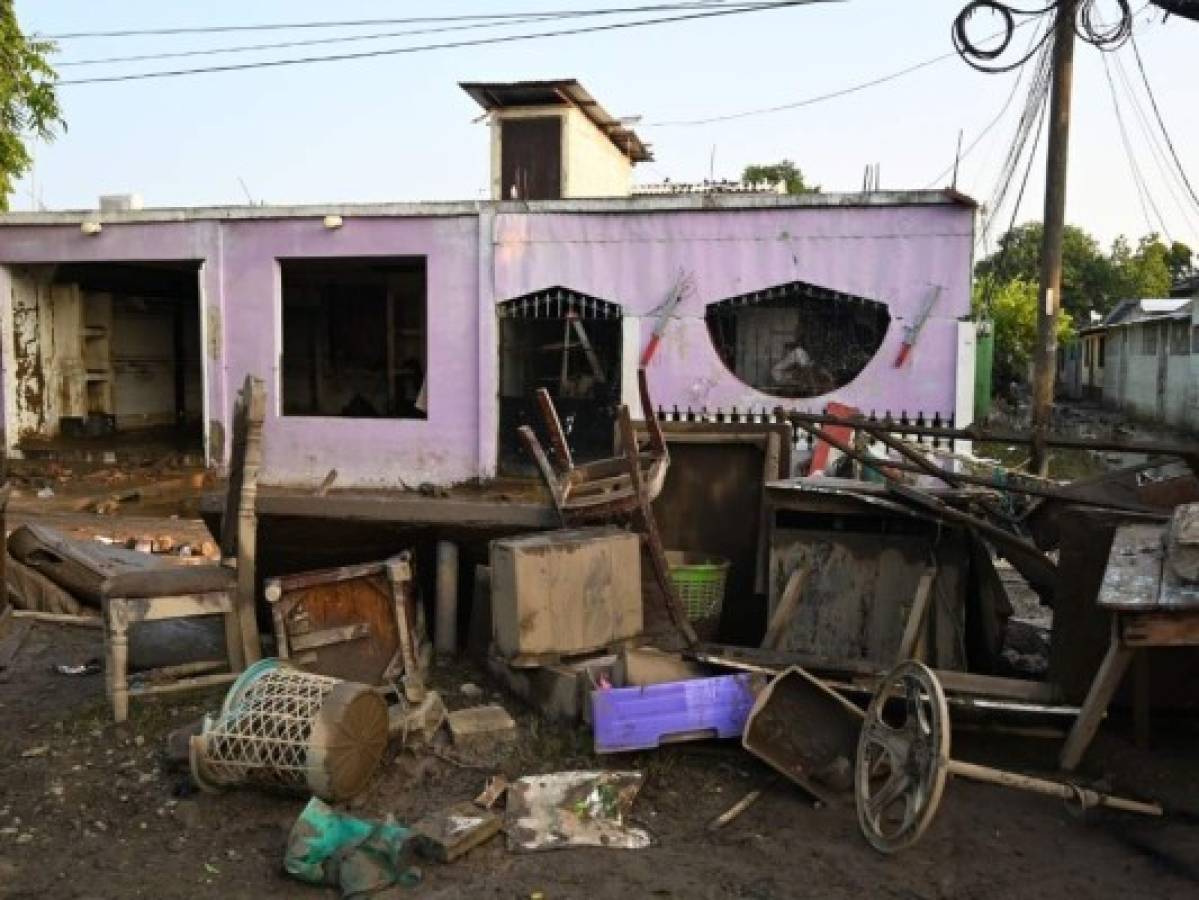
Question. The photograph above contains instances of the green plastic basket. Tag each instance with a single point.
(699, 580)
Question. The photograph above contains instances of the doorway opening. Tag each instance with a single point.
(570, 344)
(108, 356)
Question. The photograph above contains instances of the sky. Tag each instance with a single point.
(398, 128)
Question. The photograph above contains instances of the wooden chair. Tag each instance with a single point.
(622, 487)
(170, 593)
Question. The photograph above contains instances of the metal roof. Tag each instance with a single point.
(493, 95)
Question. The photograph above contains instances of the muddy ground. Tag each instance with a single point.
(89, 809)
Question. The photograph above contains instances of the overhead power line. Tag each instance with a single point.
(707, 13)
(1138, 178)
(362, 23)
(464, 23)
(1161, 123)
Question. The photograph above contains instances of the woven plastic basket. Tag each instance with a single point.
(283, 727)
(699, 580)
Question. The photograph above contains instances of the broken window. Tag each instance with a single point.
(354, 337)
(570, 344)
(109, 353)
(1149, 339)
(1102, 350)
(797, 340)
(1180, 338)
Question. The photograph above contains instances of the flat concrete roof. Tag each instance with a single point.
(672, 203)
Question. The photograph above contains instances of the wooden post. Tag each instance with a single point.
(254, 396)
(1049, 296)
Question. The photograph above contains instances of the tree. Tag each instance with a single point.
(1086, 274)
(28, 101)
(1144, 272)
(1181, 261)
(785, 171)
(1012, 307)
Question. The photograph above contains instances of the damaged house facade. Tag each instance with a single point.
(402, 343)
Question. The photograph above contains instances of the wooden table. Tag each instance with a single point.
(1150, 607)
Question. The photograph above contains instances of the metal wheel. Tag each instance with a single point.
(903, 754)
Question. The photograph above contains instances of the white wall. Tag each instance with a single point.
(592, 165)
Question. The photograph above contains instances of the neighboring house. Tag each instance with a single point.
(402, 343)
(1143, 358)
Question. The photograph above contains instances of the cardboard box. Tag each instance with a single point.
(564, 593)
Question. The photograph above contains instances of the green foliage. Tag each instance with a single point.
(785, 171)
(1091, 279)
(28, 101)
(1181, 261)
(1012, 306)
(1086, 275)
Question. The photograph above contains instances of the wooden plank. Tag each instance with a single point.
(183, 684)
(1161, 629)
(58, 618)
(326, 636)
(868, 674)
(1103, 688)
(914, 628)
(184, 606)
(1132, 579)
(785, 610)
(316, 577)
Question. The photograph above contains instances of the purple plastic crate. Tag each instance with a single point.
(641, 718)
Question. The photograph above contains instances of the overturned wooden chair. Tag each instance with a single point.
(622, 487)
(167, 595)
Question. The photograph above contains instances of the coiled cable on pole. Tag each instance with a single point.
(1088, 25)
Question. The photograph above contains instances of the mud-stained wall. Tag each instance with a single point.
(628, 253)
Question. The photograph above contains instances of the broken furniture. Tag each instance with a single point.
(360, 623)
(558, 594)
(1150, 589)
(643, 718)
(619, 488)
(282, 727)
(903, 761)
(136, 589)
(806, 731)
(864, 555)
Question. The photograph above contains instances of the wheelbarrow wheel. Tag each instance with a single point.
(903, 758)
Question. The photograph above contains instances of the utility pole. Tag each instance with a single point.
(1049, 296)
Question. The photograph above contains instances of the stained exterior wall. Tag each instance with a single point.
(479, 255)
(1160, 387)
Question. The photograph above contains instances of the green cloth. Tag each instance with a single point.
(358, 856)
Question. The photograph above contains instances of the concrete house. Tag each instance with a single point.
(1146, 357)
(401, 343)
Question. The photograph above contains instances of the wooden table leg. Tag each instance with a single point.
(1140, 699)
(1107, 679)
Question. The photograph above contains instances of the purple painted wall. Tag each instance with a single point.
(888, 254)
(478, 256)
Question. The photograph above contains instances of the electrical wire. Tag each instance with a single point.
(395, 51)
(356, 23)
(1161, 123)
(1169, 175)
(1033, 42)
(486, 22)
(1138, 179)
(1106, 36)
(984, 58)
(1030, 122)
